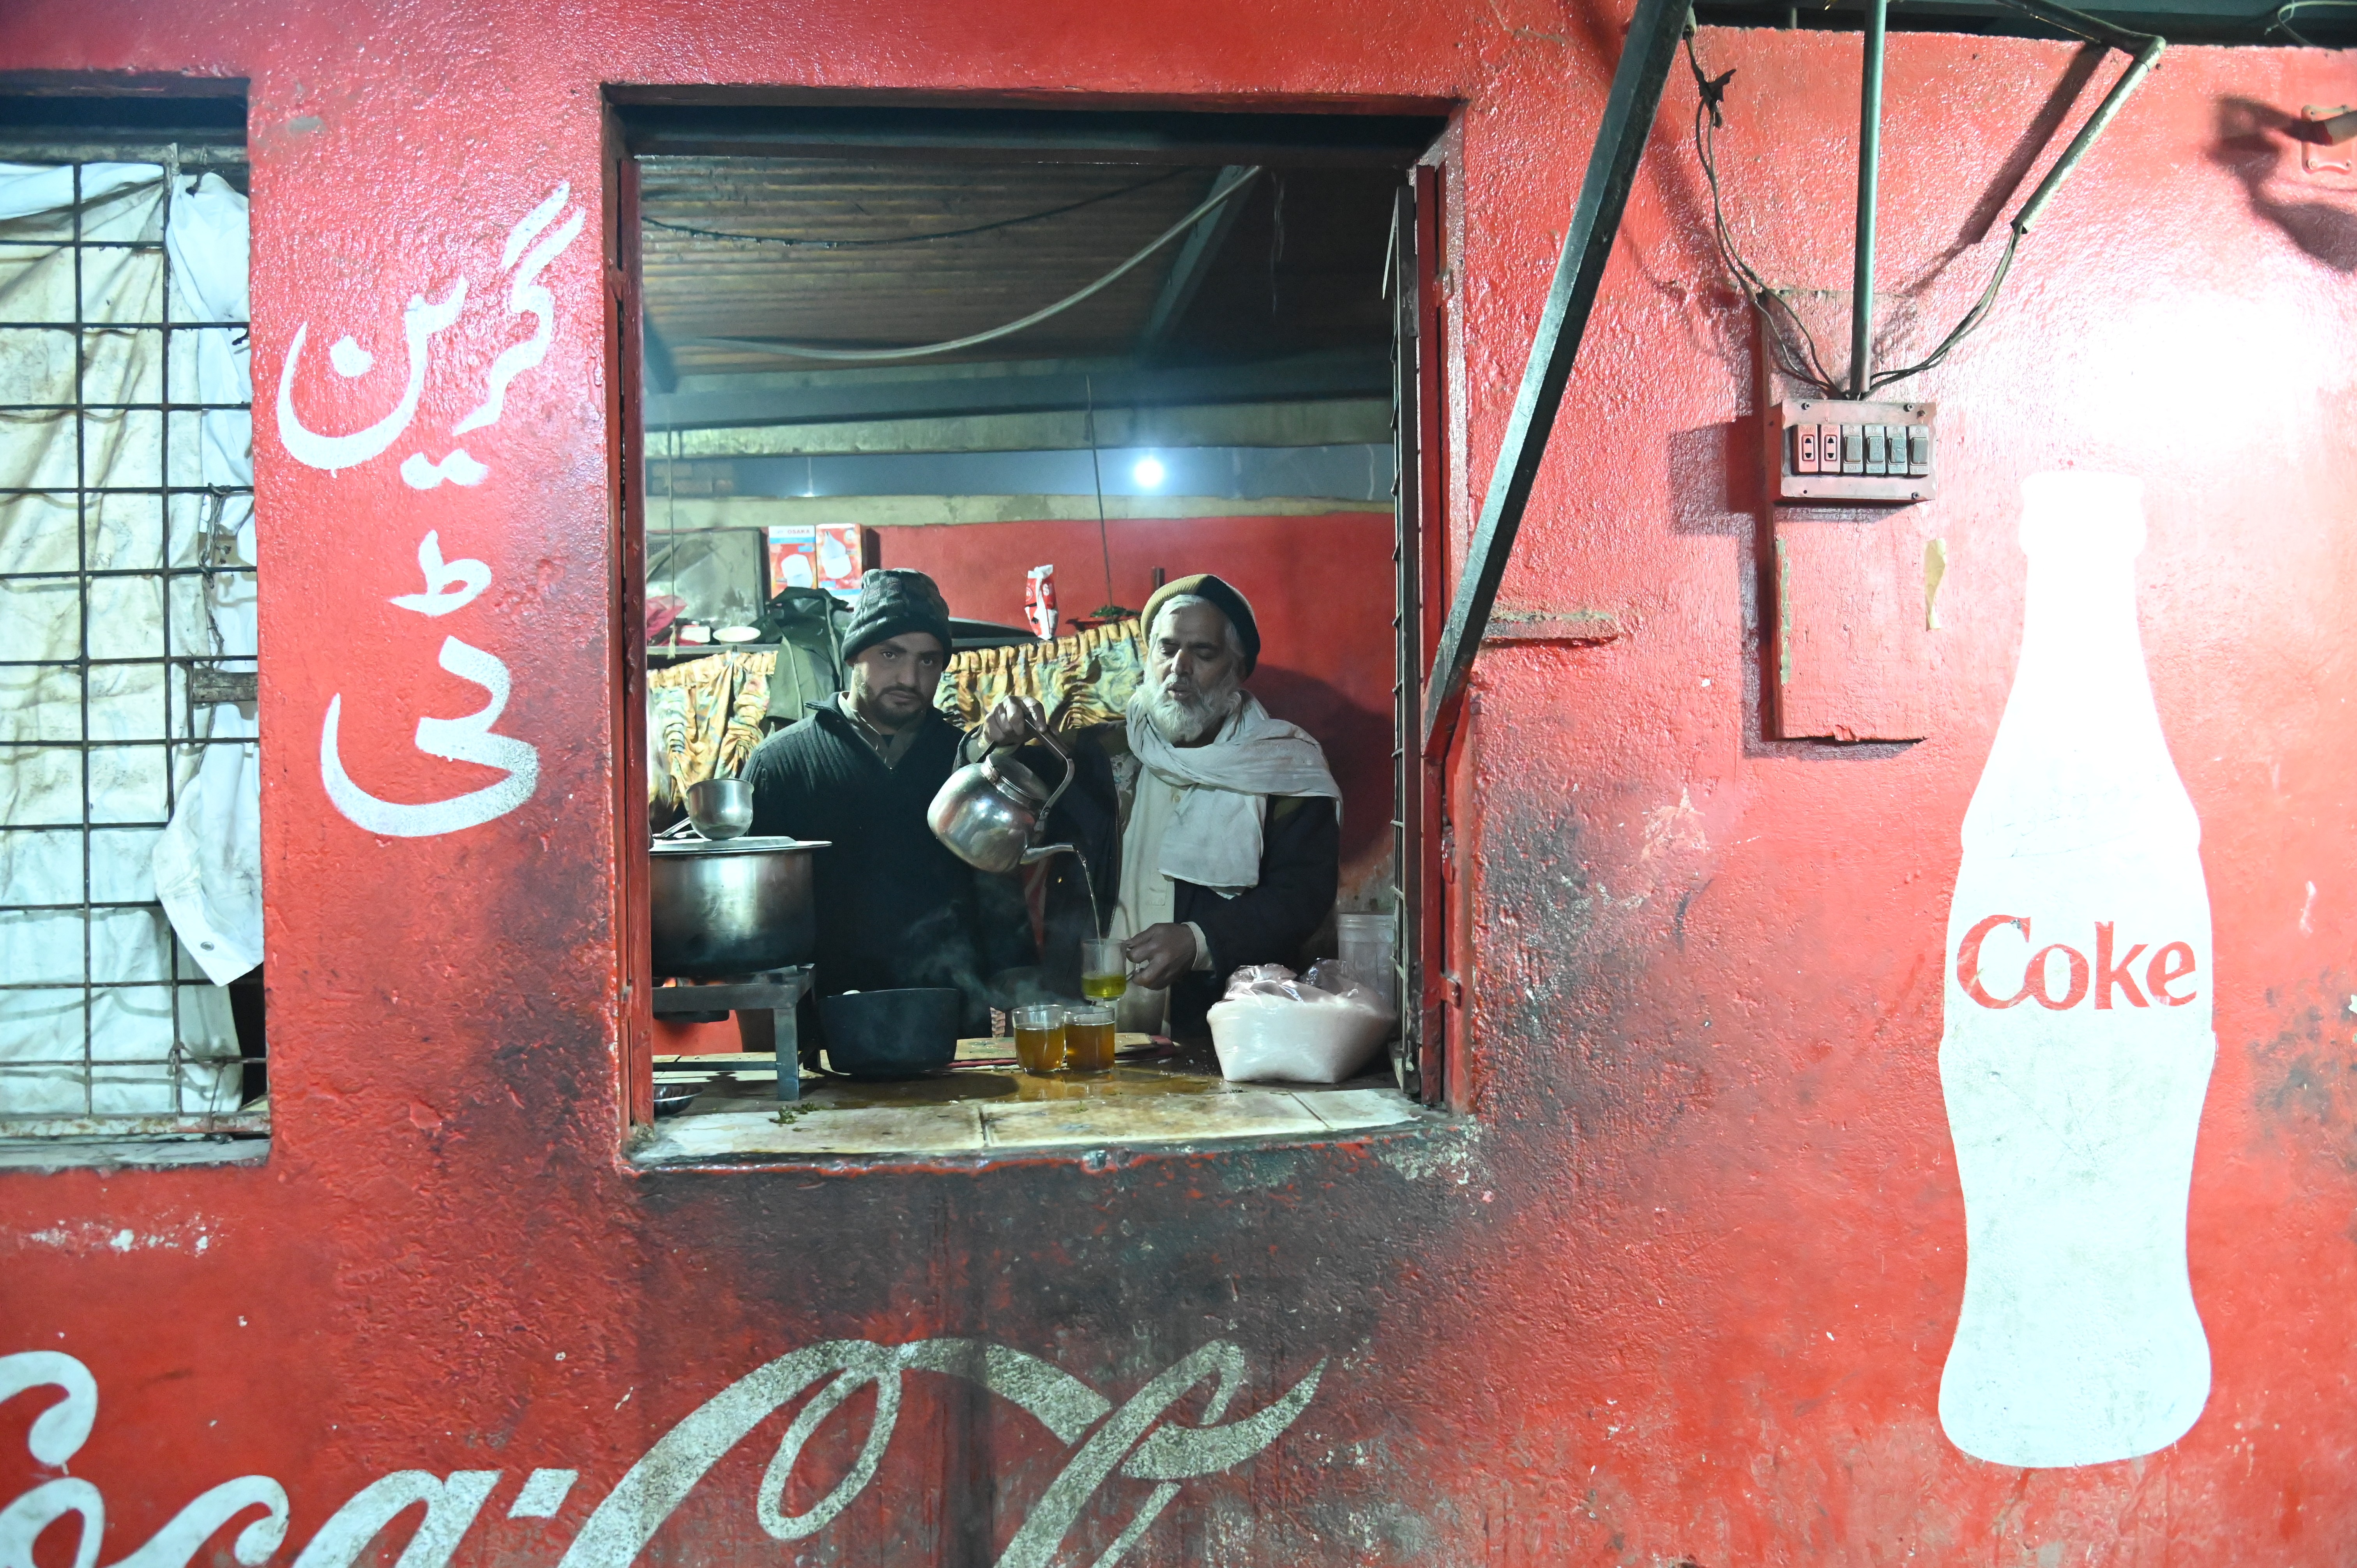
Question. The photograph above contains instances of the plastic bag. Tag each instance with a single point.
(1330, 980)
(1320, 1028)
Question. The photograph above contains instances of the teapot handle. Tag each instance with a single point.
(1061, 755)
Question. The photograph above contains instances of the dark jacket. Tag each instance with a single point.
(895, 907)
(1300, 860)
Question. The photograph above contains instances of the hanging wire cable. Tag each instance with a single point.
(1107, 610)
(1275, 241)
(798, 243)
(1964, 328)
(2144, 50)
(1788, 355)
(2281, 21)
(924, 350)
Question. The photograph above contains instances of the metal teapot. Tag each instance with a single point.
(988, 812)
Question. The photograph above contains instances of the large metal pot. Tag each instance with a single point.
(734, 907)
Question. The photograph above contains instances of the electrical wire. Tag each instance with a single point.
(1277, 241)
(792, 242)
(1769, 302)
(1108, 610)
(2281, 23)
(1964, 328)
(1711, 92)
(1226, 191)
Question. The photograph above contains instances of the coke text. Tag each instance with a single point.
(2110, 977)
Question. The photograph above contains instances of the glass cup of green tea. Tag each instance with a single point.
(1040, 1038)
(1088, 1038)
(1104, 968)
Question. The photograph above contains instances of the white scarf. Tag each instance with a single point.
(1214, 839)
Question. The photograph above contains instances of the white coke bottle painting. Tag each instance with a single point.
(2078, 1041)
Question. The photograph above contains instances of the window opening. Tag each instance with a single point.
(128, 745)
(1201, 378)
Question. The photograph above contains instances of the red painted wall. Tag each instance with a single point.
(1683, 1288)
(1320, 587)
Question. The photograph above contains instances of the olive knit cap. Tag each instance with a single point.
(891, 602)
(1232, 604)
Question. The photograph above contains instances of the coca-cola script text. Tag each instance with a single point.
(2110, 977)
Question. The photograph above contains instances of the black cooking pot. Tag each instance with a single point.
(892, 1034)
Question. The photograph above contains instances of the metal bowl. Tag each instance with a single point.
(721, 809)
(737, 907)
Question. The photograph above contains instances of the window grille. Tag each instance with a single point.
(116, 560)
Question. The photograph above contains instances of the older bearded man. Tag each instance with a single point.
(1215, 825)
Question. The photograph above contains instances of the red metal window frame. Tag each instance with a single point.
(1441, 925)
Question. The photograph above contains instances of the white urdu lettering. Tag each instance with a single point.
(449, 585)
(419, 322)
(459, 467)
(526, 297)
(467, 739)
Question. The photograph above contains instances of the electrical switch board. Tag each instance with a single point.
(1832, 453)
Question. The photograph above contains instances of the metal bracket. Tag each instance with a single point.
(208, 686)
(2327, 128)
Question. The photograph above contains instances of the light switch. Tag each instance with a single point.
(1884, 458)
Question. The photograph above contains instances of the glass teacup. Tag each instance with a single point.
(1104, 968)
(1039, 1038)
(1088, 1040)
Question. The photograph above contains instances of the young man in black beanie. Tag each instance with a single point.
(895, 907)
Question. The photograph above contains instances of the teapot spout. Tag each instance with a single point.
(1033, 857)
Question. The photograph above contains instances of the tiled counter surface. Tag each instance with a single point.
(978, 1109)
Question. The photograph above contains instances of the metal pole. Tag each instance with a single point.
(1870, 163)
(2035, 208)
(1646, 56)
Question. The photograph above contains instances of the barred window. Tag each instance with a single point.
(130, 929)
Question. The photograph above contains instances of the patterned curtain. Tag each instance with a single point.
(1090, 673)
(704, 719)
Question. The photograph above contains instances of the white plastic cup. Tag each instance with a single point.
(1370, 945)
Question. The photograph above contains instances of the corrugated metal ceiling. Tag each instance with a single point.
(881, 297)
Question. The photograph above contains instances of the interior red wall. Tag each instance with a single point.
(1320, 587)
(1682, 1288)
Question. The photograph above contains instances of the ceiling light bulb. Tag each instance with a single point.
(1148, 472)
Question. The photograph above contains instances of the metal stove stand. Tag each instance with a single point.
(764, 1004)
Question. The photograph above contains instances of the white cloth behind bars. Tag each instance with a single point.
(205, 866)
(209, 862)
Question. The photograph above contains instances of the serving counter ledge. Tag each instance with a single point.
(985, 1106)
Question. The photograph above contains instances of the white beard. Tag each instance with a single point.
(1183, 720)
